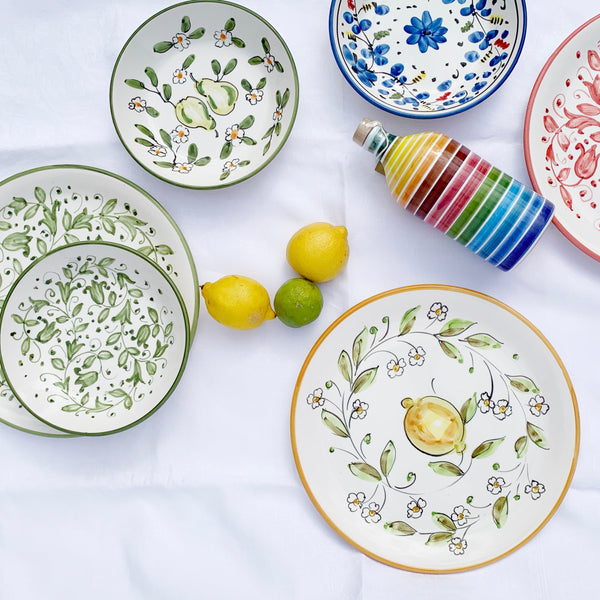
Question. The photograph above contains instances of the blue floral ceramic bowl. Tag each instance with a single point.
(430, 58)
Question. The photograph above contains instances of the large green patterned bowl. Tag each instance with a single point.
(94, 338)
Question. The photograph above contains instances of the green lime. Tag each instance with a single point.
(298, 302)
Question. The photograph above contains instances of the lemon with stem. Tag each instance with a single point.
(319, 251)
(434, 426)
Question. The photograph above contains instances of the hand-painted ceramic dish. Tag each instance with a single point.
(204, 94)
(434, 428)
(426, 58)
(44, 209)
(94, 337)
(562, 136)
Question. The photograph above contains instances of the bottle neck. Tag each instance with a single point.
(373, 137)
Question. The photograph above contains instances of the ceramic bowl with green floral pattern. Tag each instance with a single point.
(204, 94)
(94, 338)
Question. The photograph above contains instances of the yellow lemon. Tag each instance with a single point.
(318, 252)
(237, 302)
(433, 425)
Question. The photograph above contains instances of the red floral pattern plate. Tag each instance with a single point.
(562, 136)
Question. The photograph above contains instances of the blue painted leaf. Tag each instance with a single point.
(466, 11)
(397, 69)
(365, 25)
(476, 37)
(348, 17)
(382, 9)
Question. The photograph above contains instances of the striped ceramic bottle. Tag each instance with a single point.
(464, 196)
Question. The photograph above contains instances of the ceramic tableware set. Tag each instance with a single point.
(99, 302)
(434, 428)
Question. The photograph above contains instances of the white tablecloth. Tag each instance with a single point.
(203, 499)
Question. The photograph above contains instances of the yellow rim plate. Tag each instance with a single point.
(434, 428)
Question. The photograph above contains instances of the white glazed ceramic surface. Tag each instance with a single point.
(44, 209)
(562, 136)
(434, 428)
(93, 338)
(204, 94)
(427, 58)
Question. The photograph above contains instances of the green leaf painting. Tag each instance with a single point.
(388, 458)
(451, 351)
(334, 424)
(455, 327)
(345, 366)
(469, 408)
(483, 340)
(53, 326)
(500, 511)
(400, 528)
(364, 380)
(487, 448)
(439, 538)
(523, 384)
(537, 436)
(443, 521)
(446, 468)
(521, 446)
(461, 460)
(408, 320)
(364, 471)
(359, 347)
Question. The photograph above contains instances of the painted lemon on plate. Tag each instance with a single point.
(433, 425)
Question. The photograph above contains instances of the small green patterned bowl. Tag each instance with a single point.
(94, 337)
(204, 94)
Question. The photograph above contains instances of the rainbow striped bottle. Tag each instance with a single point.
(441, 181)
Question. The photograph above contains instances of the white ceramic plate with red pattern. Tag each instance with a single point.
(562, 136)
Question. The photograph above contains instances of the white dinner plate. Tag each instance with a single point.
(434, 428)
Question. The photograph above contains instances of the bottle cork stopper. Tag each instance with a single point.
(363, 130)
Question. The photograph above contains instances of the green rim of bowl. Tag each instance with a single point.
(186, 350)
(193, 319)
(286, 135)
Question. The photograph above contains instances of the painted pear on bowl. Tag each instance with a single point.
(433, 425)
(220, 95)
(192, 112)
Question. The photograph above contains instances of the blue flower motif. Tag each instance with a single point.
(359, 66)
(425, 32)
(363, 25)
(377, 54)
